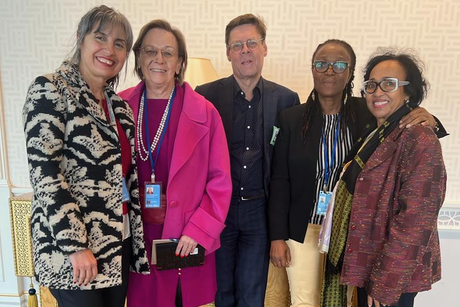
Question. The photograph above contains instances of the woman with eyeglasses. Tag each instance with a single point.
(182, 157)
(313, 141)
(384, 233)
(86, 219)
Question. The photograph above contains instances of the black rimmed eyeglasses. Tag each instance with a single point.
(387, 85)
(322, 66)
(252, 44)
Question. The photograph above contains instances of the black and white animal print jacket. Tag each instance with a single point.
(75, 170)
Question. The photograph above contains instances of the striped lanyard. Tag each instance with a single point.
(328, 167)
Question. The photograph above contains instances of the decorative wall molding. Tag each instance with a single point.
(3, 153)
(9, 283)
(449, 217)
(18, 191)
(10, 301)
(3, 177)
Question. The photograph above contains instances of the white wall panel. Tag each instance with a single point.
(35, 36)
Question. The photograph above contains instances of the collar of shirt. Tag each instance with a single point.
(237, 90)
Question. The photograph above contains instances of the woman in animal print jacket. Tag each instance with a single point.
(86, 223)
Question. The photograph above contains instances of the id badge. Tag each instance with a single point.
(125, 193)
(153, 195)
(276, 130)
(324, 200)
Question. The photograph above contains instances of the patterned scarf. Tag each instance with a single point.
(334, 294)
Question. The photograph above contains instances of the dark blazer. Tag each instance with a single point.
(275, 98)
(294, 169)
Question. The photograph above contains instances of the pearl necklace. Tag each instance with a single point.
(141, 148)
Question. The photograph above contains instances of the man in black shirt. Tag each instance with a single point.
(249, 106)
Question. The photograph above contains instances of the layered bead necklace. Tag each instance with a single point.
(141, 147)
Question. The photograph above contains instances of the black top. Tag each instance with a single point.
(246, 144)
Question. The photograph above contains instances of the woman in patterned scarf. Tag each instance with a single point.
(86, 223)
(384, 233)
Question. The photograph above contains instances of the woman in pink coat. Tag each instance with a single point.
(181, 148)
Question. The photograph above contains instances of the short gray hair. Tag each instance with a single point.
(104, 17)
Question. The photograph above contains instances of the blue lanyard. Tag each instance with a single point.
(146, 120)
(326, 156)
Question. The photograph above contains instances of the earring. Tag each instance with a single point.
(345, 100)
(406, 101)
(313, 95)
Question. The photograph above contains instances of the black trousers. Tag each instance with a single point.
(405, 300)
(242, 260)
(107, 297)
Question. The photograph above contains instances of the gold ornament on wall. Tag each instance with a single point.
(20, 212)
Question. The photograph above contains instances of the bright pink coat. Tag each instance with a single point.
(200, 184)
(198, 198)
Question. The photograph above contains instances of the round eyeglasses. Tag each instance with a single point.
(252, 44)
(387, 85)
(322, 66)
(152, 52)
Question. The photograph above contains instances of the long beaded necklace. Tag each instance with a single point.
(141, 148)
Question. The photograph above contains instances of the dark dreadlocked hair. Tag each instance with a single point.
(313, 99)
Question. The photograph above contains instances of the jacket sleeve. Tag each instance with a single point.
(280, 186)
(296, 99)
(44, 118)
(441, 131)
(199, 90)
(414, 223)
(208, 221)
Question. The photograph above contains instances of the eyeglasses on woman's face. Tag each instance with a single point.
(152, 52)
(387, 85)
(338, 66)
